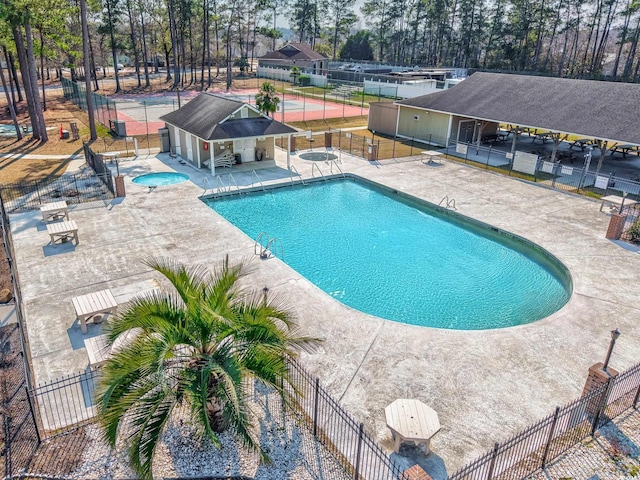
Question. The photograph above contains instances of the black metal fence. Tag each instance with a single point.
(533, 448)
(339, 431)
(631, 229)
(105, 109)
(73, 188)
(65, 403)
(96, 161)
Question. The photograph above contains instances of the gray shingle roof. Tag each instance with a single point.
(202, 116)
(295, 51)
(593, 109)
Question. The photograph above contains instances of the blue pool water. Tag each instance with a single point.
(160, 179)
(400, 260)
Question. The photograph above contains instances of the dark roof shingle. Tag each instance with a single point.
(295, 51)
(593, 109)
(202, 116)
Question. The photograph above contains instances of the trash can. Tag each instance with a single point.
(165, 142)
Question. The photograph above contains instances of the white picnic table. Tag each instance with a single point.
(92, 304)
(432, 154)
(54, 211)
(411, 421)
(615, 200)
(63, 231)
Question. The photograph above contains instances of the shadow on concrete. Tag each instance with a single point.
(58, 248)
(411, 455)
(77, 338)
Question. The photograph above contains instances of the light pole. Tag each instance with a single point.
(614, 336)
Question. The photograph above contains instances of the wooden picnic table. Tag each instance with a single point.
(61, 232)
(54, 211)
(543, 136)
(616, 201)
(626, 148)
(411, 421)
(582, 143)
(92, 304)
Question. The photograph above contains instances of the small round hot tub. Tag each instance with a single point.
(318, 156)
(160, 179)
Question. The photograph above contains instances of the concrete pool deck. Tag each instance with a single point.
(484, 385)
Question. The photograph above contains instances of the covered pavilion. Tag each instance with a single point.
(603, 114)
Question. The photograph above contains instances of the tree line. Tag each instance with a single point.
(201, 40)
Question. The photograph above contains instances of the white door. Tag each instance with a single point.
(177, 136)
(189, 147)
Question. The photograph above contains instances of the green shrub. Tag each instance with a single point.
(634, 232)
(304, 80)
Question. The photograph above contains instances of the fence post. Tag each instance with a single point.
(492, 465)
(609, 182)
(33, 414)
(554, 171)
(635, 399)
(550, 438)
(315, 408)
(602, 406)
(356, 474)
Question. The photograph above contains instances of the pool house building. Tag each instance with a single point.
(215, 131)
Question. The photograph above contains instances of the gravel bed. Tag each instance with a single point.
(613, 454)
(293, 450)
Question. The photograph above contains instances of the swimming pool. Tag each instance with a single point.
(160, 179)
(393, 256)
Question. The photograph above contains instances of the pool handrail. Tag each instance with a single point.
(333, 162)
(255, 174)
(292, 170)
(221, 187)
(314, 167)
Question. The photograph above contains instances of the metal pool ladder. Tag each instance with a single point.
(293, 170)
(267, 246)
(221, 187)
(448, 203)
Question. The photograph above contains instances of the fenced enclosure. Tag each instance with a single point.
(74, 188)
(535, 447)
(361, 144)
(67, 403)
(578, 178)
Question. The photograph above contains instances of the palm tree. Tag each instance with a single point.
(267, 99)
(195, 347)
(295, 73)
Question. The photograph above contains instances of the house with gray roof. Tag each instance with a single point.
(216, 131)
(300, 55)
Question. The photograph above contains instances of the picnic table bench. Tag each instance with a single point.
(62, 232)
(543, 136)
(54, 211)
(411, 421)
(616, 201)
(582, 143)
(625, 148)
(92, 304)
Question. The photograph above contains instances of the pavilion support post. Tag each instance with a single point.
(556, 143)
(288, 152)
(603, 146)
(212, 160)
(516, 132)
